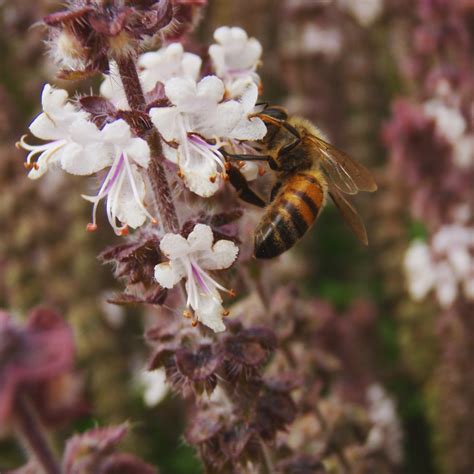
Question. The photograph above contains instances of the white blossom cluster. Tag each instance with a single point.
(202, 114)
(452, 124)
(445, 265)
(77, 146)
(386, 432)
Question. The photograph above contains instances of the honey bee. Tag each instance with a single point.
(308, 169)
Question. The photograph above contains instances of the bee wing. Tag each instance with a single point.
(349, 214)
(348, 175)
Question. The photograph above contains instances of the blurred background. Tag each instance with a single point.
(391, 82)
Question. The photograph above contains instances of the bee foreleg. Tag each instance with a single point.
(270, 160)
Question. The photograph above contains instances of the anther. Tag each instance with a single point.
(212, 179)
(187, 314)
(227, 166)
(91, 227)
(124, 231)
(225, 313)
(154, 222)
(194, 323)
(180, 174)
(232, 293)
(261, 171)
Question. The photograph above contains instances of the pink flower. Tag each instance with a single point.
(32, 355)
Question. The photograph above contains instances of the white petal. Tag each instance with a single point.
(165, 120)
(83, 161)
(168, 274)
(45, 128)
(112, 88)
(117, 133)
(250, 171)
(84, 132)
(253, 129)
(170, 153)
(128, 210)
(212, 88)
(217, 54)
(209, 312)
(180, 90)
(198, 178)
(249, 95)
(174, 246)
(223, 255)
(223, 121)
(191, 65)
(201, 238)
(139, 151)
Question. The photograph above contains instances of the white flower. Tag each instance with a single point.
(200, 124)
(189, 259)
(419, 271)
(71, 138)
(316, 39)
(386, 432)
(79, 147)
(166, 63)
(364, 11)
(123, 185)
(449, 121)
(235, 58)
(446, 266)
(156, 66)
(154, 386)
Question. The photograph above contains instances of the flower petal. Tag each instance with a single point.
(165, 120)
(180, 90)
(212, 88)
(174, 246)
(139, 151)
(198, 178)
(223, 255)
(201, 238)
(168, 274)
(127, 209)
(45, 128)
(209, 312)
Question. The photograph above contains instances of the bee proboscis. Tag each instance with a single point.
(308, 169)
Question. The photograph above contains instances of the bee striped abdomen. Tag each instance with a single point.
(291, 214)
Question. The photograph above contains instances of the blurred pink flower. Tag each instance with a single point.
(32, 355)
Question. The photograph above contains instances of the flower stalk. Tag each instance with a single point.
(33, 434)
(159, 181)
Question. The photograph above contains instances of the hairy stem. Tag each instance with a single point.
(159, 181)
(131, 83)
(33, 435)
